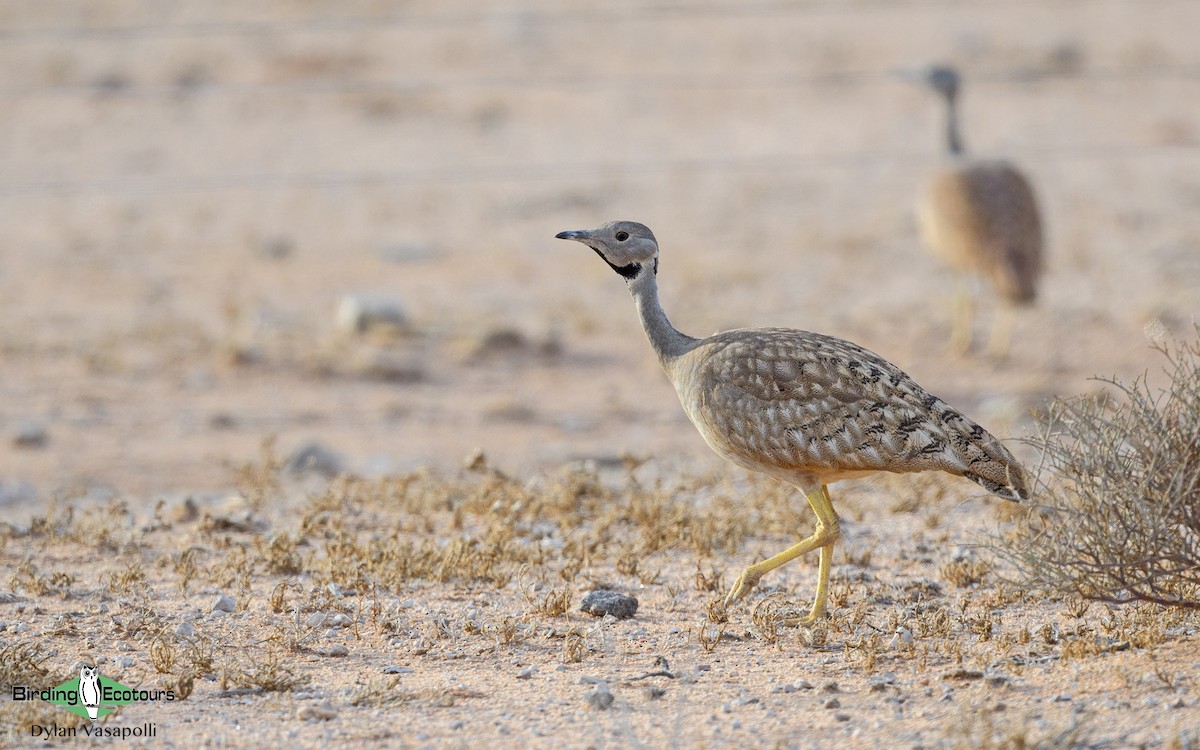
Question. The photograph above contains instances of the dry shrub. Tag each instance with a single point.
(1117, 517)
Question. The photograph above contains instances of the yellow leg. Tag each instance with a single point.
(962, 319)
(826, 534)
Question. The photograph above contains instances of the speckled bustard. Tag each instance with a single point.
(805, 408)
(980, 217)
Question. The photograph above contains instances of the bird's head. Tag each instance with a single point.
(942, 79)
(627, 247)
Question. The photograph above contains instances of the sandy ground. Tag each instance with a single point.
(190, 190)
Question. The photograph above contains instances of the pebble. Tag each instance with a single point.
(30, 435)
(316, 458)
(599, 697)
(393, 669)
(842, 717)
(882, 682)
(1062, 698)
(125, 661)
(829, 687)
(903, 637)
(315, 620)
(185, 629)
(526, 673)
(336, 650)
(833, 703)
(359, 313)
(224, 603)
(601, 603)
(341, 620)
(320, 712)
(654, 693)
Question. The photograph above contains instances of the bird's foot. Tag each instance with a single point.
(808, 619)
(742, 585)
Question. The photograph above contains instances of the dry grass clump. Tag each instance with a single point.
(1118, 513)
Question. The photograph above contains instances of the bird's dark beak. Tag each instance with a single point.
(577, 234)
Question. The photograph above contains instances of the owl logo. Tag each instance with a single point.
(89, 690)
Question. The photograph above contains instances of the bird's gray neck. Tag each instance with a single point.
(668, 343)
(954, 142)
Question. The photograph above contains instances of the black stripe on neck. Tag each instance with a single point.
(627, 272)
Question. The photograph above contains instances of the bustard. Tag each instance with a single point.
(805, 408)
(980, 217)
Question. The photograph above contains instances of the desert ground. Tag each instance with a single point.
(194, 194)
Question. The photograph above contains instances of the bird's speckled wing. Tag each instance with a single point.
(983, 217)
(803, 402)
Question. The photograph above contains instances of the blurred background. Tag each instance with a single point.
(333, 222)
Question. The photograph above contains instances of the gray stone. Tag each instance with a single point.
(30, 435)
(224, 603)
(359, 313)
(601, 603)
(317, 458)
(600, 697)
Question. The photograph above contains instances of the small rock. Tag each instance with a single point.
(457, 725)
(341, 620)
(601, 603)
(320, 712)
(393, 669)
(315, 620)
(1062, 698)
(842, 717)
(125, 661)
(882, 682)
(185, 629)
(802, 685)
(833, 703)
(902, 637)
(30, 435)
(336, 650)
(599, 697)
(358, 314)
(526, 673)
(1179, 703)
(316, 458)
(224, 603)
(829, 687)
(654, 693)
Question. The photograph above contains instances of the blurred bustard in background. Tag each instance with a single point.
(980, 217)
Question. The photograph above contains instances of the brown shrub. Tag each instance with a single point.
(1117, 513)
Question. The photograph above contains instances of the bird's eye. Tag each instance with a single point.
(622, 236)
